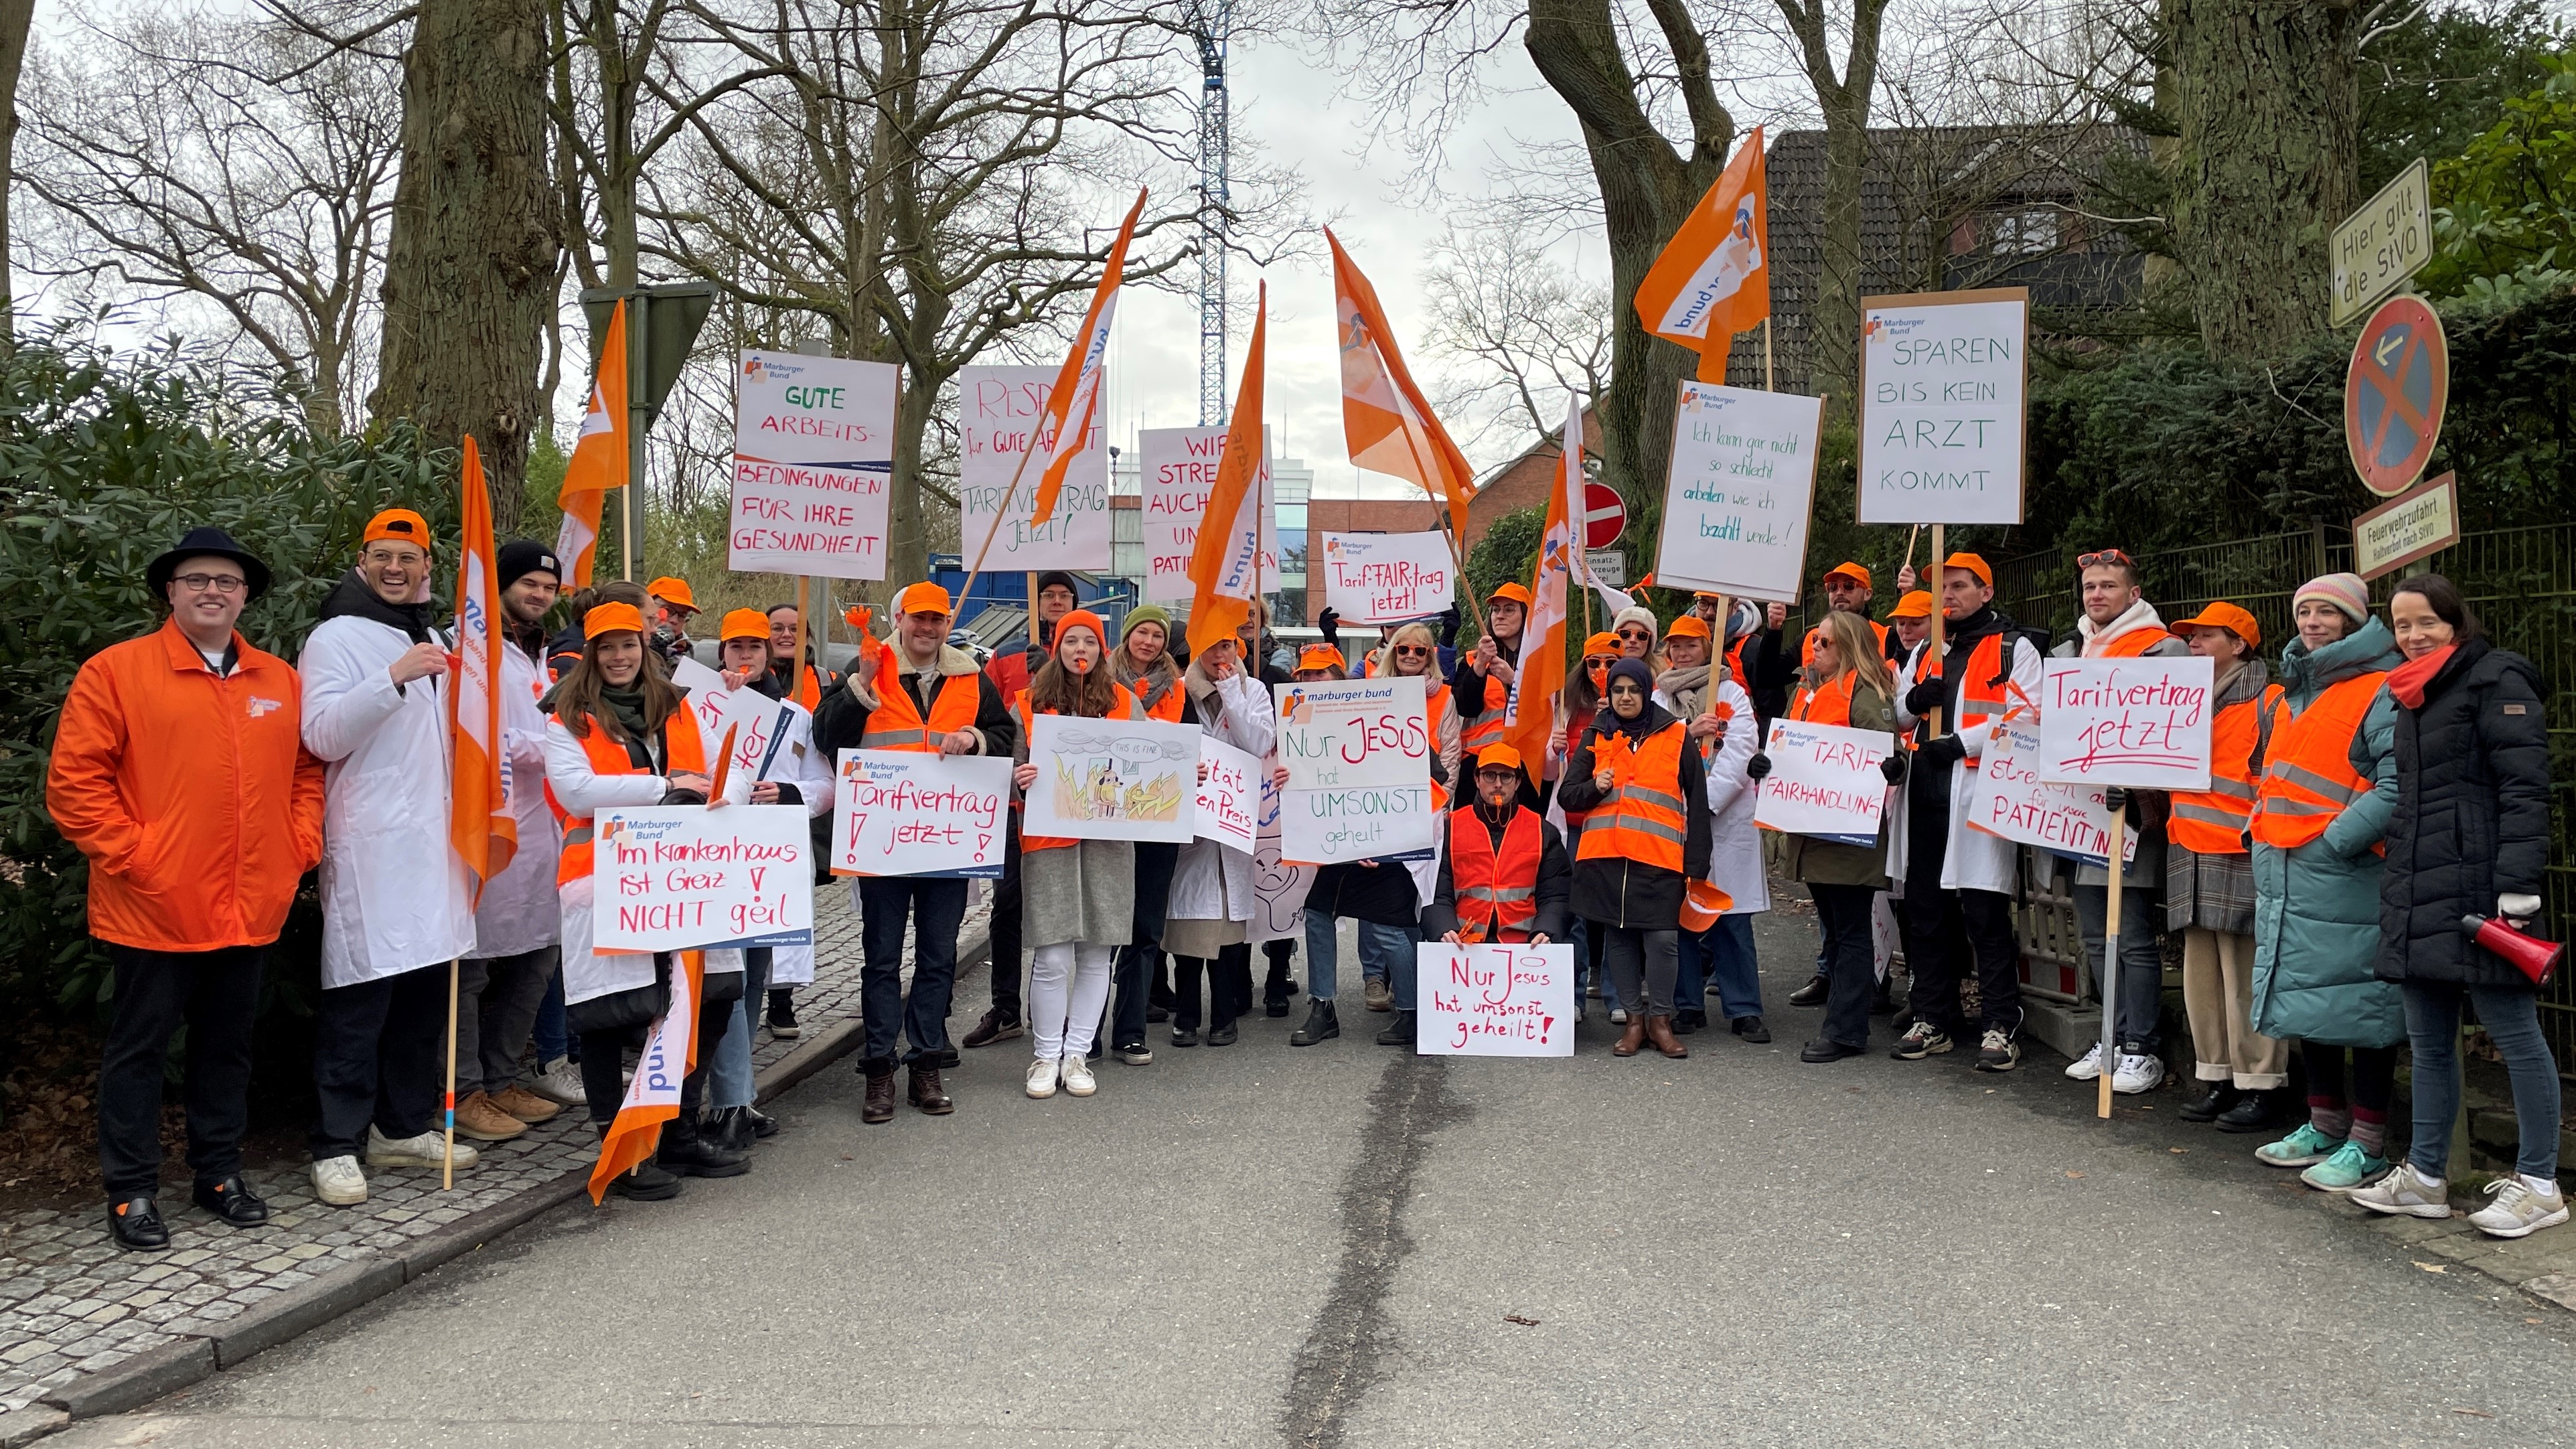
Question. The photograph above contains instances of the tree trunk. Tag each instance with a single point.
(2267, 164)
(16, 16)
(1833, 341)
(470, 270)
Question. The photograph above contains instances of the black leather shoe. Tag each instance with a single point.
(688, 1151)
(646, 1181)
(949, 1057)
(1687, 1021)
(2254, 1112)
(1823, 1050)
(729, 1129)
(1321, 1024)
(2212, 1101)
(1813, 993)
(1399, 1032)
(1274, 1006)
(231, 1200)
(1751, 1029)
(763, 1126)
(1221, 1035)
(135, 1225)
(1157, 1015)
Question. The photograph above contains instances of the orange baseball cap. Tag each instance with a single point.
(1687, 626)
(1498, 757)
(2222, 616)
(1916, 605)
(923, 598)
(1517, 593)
(1852, 571)
(1319, 656)
(1972, 564)
(1601, 644)
(744, 624)
(673, 591)
(610, 617)
(400, 525)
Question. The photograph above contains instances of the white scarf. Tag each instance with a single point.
(2140, 615)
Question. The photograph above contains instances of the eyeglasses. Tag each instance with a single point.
(220, 583)
(407, 557)
(2111, 556)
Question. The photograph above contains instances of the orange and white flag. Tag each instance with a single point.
(1560, 557)
(653, 1097)
(1074, 401)
(1713, 278)
(1225, 567)
(480, 822)
(1385, 419)
(599, 457)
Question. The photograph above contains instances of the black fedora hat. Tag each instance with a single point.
(207, 542)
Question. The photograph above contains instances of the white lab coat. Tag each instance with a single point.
(517, 912)
(588, 973)
(799, 764)
(394, 892)
(1211, 882)
(1734, 842)
(1974, 860)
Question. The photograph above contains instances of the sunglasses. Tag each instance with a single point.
(2111, 556)
(1411, 651)
(1636, 631)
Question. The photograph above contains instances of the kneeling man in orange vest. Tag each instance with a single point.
(1504, 876)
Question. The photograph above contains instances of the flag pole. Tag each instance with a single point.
(1933, 655)
(2109, 985)
(1769, 383)
(796, 656)
(447, 1169)
(995, 527)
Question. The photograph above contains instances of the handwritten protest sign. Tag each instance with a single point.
(760, 727)
(998, 412)
(2141, 722)
(1278, 888)
(1824, 781)
(677, 877)
(707, 695)
(1495, 1001)
(813, 455)
(1229, 799)
(1941, 423)
(1178, 470)
(1358, 757)
(905, 812)
(2007, 798)
(1387, 578)
(1739, 491)
(1113, 779)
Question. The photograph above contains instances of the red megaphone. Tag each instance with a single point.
(2533, 957)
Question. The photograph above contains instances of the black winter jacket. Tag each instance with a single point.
(2472, 818)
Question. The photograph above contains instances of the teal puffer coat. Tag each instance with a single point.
(2316, 906)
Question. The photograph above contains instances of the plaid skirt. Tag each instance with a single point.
(2214, 892)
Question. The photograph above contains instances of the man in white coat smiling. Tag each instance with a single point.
(395, 908)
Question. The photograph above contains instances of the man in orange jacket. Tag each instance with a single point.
(179, 770)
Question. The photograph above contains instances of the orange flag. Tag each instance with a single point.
(599, 457)
(1075, 398)
(1385, 419)
(1542, 676)
(480, 822)
(1713, 279)
(653, 1097)
(1225, 567)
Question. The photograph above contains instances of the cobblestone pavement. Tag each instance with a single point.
(72, 1304)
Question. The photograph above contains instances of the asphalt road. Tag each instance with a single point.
(1349, 1246)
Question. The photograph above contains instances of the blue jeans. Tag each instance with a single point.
(729, 1079)
(1381, 948)
(552, 1036)
(2142, 960)
(1721, 956)
(2512, 1018)
(935, 906)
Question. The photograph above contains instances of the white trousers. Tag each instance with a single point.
(1068, 989)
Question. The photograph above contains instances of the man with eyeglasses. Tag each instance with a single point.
(395, 905)
(178, 771)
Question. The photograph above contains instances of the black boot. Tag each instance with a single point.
(1399, 1031)
(2213, 1099)
(689, 1152)
(763, 1126)
(646, 1181)
(1322, 1024)
(2255, 1111)
(1813, 993)
(730, 1129)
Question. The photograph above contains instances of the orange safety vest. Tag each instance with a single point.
(896, 722)
(1828, 704)
(1487, 728)
(1436, 704)
(1122, 705)
(1807, 646)
(2308, 777)
(1164, 704)
(1981, 694)
(1642, 817)
(2212, 821)
(684, 752)
(809, 690)
(1497, 891)
(2132, 644)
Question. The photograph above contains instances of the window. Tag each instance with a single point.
(2027, 232)
(1291, 516)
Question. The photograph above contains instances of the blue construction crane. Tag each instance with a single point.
(1210, 22)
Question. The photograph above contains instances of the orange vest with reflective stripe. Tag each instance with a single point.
(896, 722)
(1828, 704)
(1436, 705)
(1497, 890)
(1122, 705)
(684, 752)
(1487, 729)
(2308, 778)
(1642, 817)
(2212, 821)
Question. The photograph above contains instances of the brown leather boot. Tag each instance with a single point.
(1631, 1038)
(924, 1089)
(1659, 1029)
(880, 1104)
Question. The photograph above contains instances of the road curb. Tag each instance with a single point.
(159, 1372)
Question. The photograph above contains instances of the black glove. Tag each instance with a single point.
(1758, 766)
(1449, 622)
(2245, 837)
(1331, 623)
(2116, 798)
(1892, 769)
(1947, 750)
(1923, 698)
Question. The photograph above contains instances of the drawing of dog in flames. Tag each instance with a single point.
(1102, 777)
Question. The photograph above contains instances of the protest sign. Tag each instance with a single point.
(1941, 424)
(2142, 722)
(1495, 1000)
(999, 410)
(1824, 781)
(1738, 492)
(678, 877)
(2007, 798)
(760, 727)
(707, 695)
(1358, 757)
(908, 812)
(1112, 779)
(1229, 799)
(1278, 888)
(1177, 471)
(813, 454)
(1387, 578)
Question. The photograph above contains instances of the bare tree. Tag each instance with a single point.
(242, 162)
(16, 18)
(1844, 100)
(1518, 332)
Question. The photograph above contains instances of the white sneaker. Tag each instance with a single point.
(2136, 1074)
(338, 1182)
(1042, 1073)
(2519, 1210)
(1078, 1081)
(2406, 1191)
(2088, 1068)
(561, 1082)
(425, 1150)
(1618, 1016)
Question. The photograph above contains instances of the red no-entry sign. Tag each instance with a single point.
(1605, 513)
(2393, 394)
